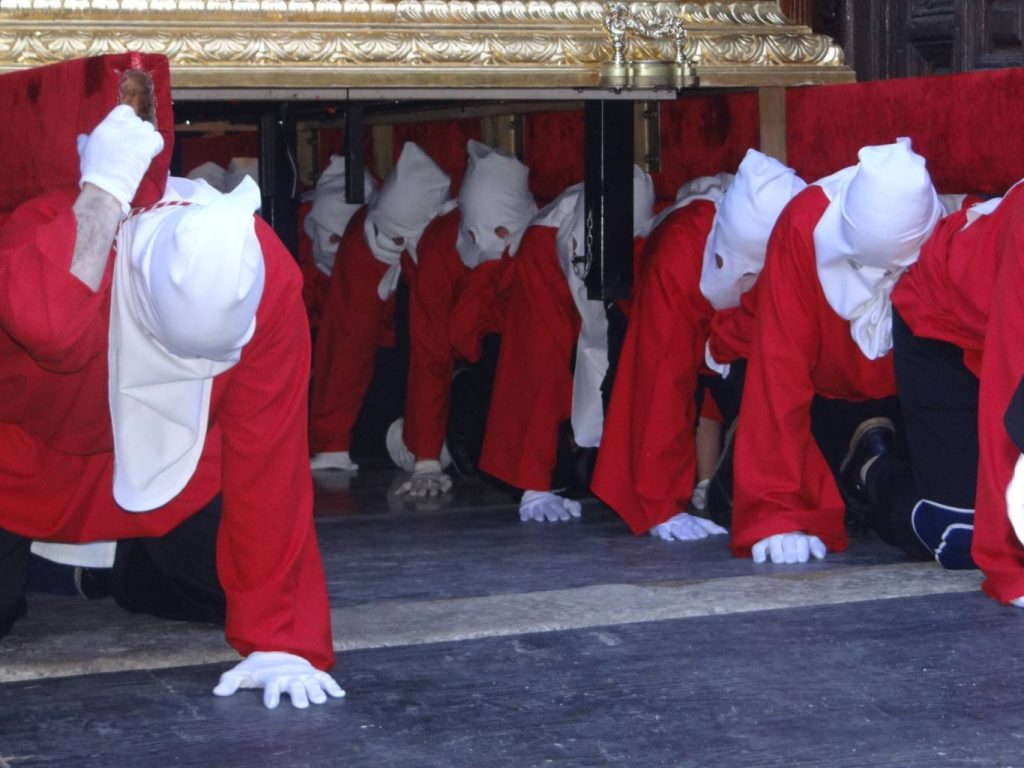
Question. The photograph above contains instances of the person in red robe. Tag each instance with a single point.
(700, 258)
(821, 349)
(536, 388)
(461, 259)
(141, 378)
(998, 545)
(359, 309)
(919, 495)
(324, 224)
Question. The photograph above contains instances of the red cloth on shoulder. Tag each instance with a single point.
(948, 293)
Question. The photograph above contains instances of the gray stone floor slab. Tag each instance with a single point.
(931, 681)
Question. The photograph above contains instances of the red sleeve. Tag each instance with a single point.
(43, 307)
(532, 393)
(732, 329)
(480, 307)
(431, 357)
(782, 483)
(267, 554)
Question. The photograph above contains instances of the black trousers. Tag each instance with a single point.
(939, 398)
(173, 576)
(833, 423)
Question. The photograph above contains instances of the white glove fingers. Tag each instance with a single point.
(759, 551)
(775, 548)
(710, 526)
(314, 692)
(803, 551)
(327, 683)
(272, 694)
(574, 508)
(228, 684)
(297, 693)
(818, 548)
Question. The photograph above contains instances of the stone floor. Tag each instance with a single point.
(469, 639)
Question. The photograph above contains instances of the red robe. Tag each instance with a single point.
(647, 460)
(532, 392)
(948, 292)
(56, 444)
(995, 548)
(800, 348)
(353, 323)
(451, 308)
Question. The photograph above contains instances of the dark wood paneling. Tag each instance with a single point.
(901, 38)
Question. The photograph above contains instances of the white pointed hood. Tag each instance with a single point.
(326, 221)
(414, 193)
(495, 193)
(188, 279)
(880, 213)
(744, 217)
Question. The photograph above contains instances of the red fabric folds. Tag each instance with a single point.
(800, 348)
(647, 460)
(532, 392)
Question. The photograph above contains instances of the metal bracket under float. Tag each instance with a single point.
(623, 74)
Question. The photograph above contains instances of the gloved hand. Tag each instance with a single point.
(544, 505)
(686, 527)
(700, 495)
(1015, 499)
(427, 480)
(333, 460)
(788, 548)
(116, 155)
(275, 673)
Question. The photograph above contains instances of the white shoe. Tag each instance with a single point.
(399, 451)
(333, 460)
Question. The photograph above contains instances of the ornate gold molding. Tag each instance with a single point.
(358, 44)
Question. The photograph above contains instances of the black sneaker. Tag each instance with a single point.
(872, 439)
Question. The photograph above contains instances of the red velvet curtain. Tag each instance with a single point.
(969, 127)
(445, 141)
(553, 149)
(705, 135)
(51, 105)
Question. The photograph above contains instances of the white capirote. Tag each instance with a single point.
(744, 217)
(329, 216)
(188, 279)
(413, 193)
(880, 213)
(495, 205)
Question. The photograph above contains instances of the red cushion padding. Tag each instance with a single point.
(967, 126)
(705, 135)
(47, 107)
(445, 142)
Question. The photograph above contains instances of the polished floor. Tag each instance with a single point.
(467, 638)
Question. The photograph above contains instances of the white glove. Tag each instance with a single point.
(278, 673)
(700, 495)
(427, 480)
(116, 155)
(1015, 498)
(333, 460)
(544, 505)
(788, 548)
(686, 527)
